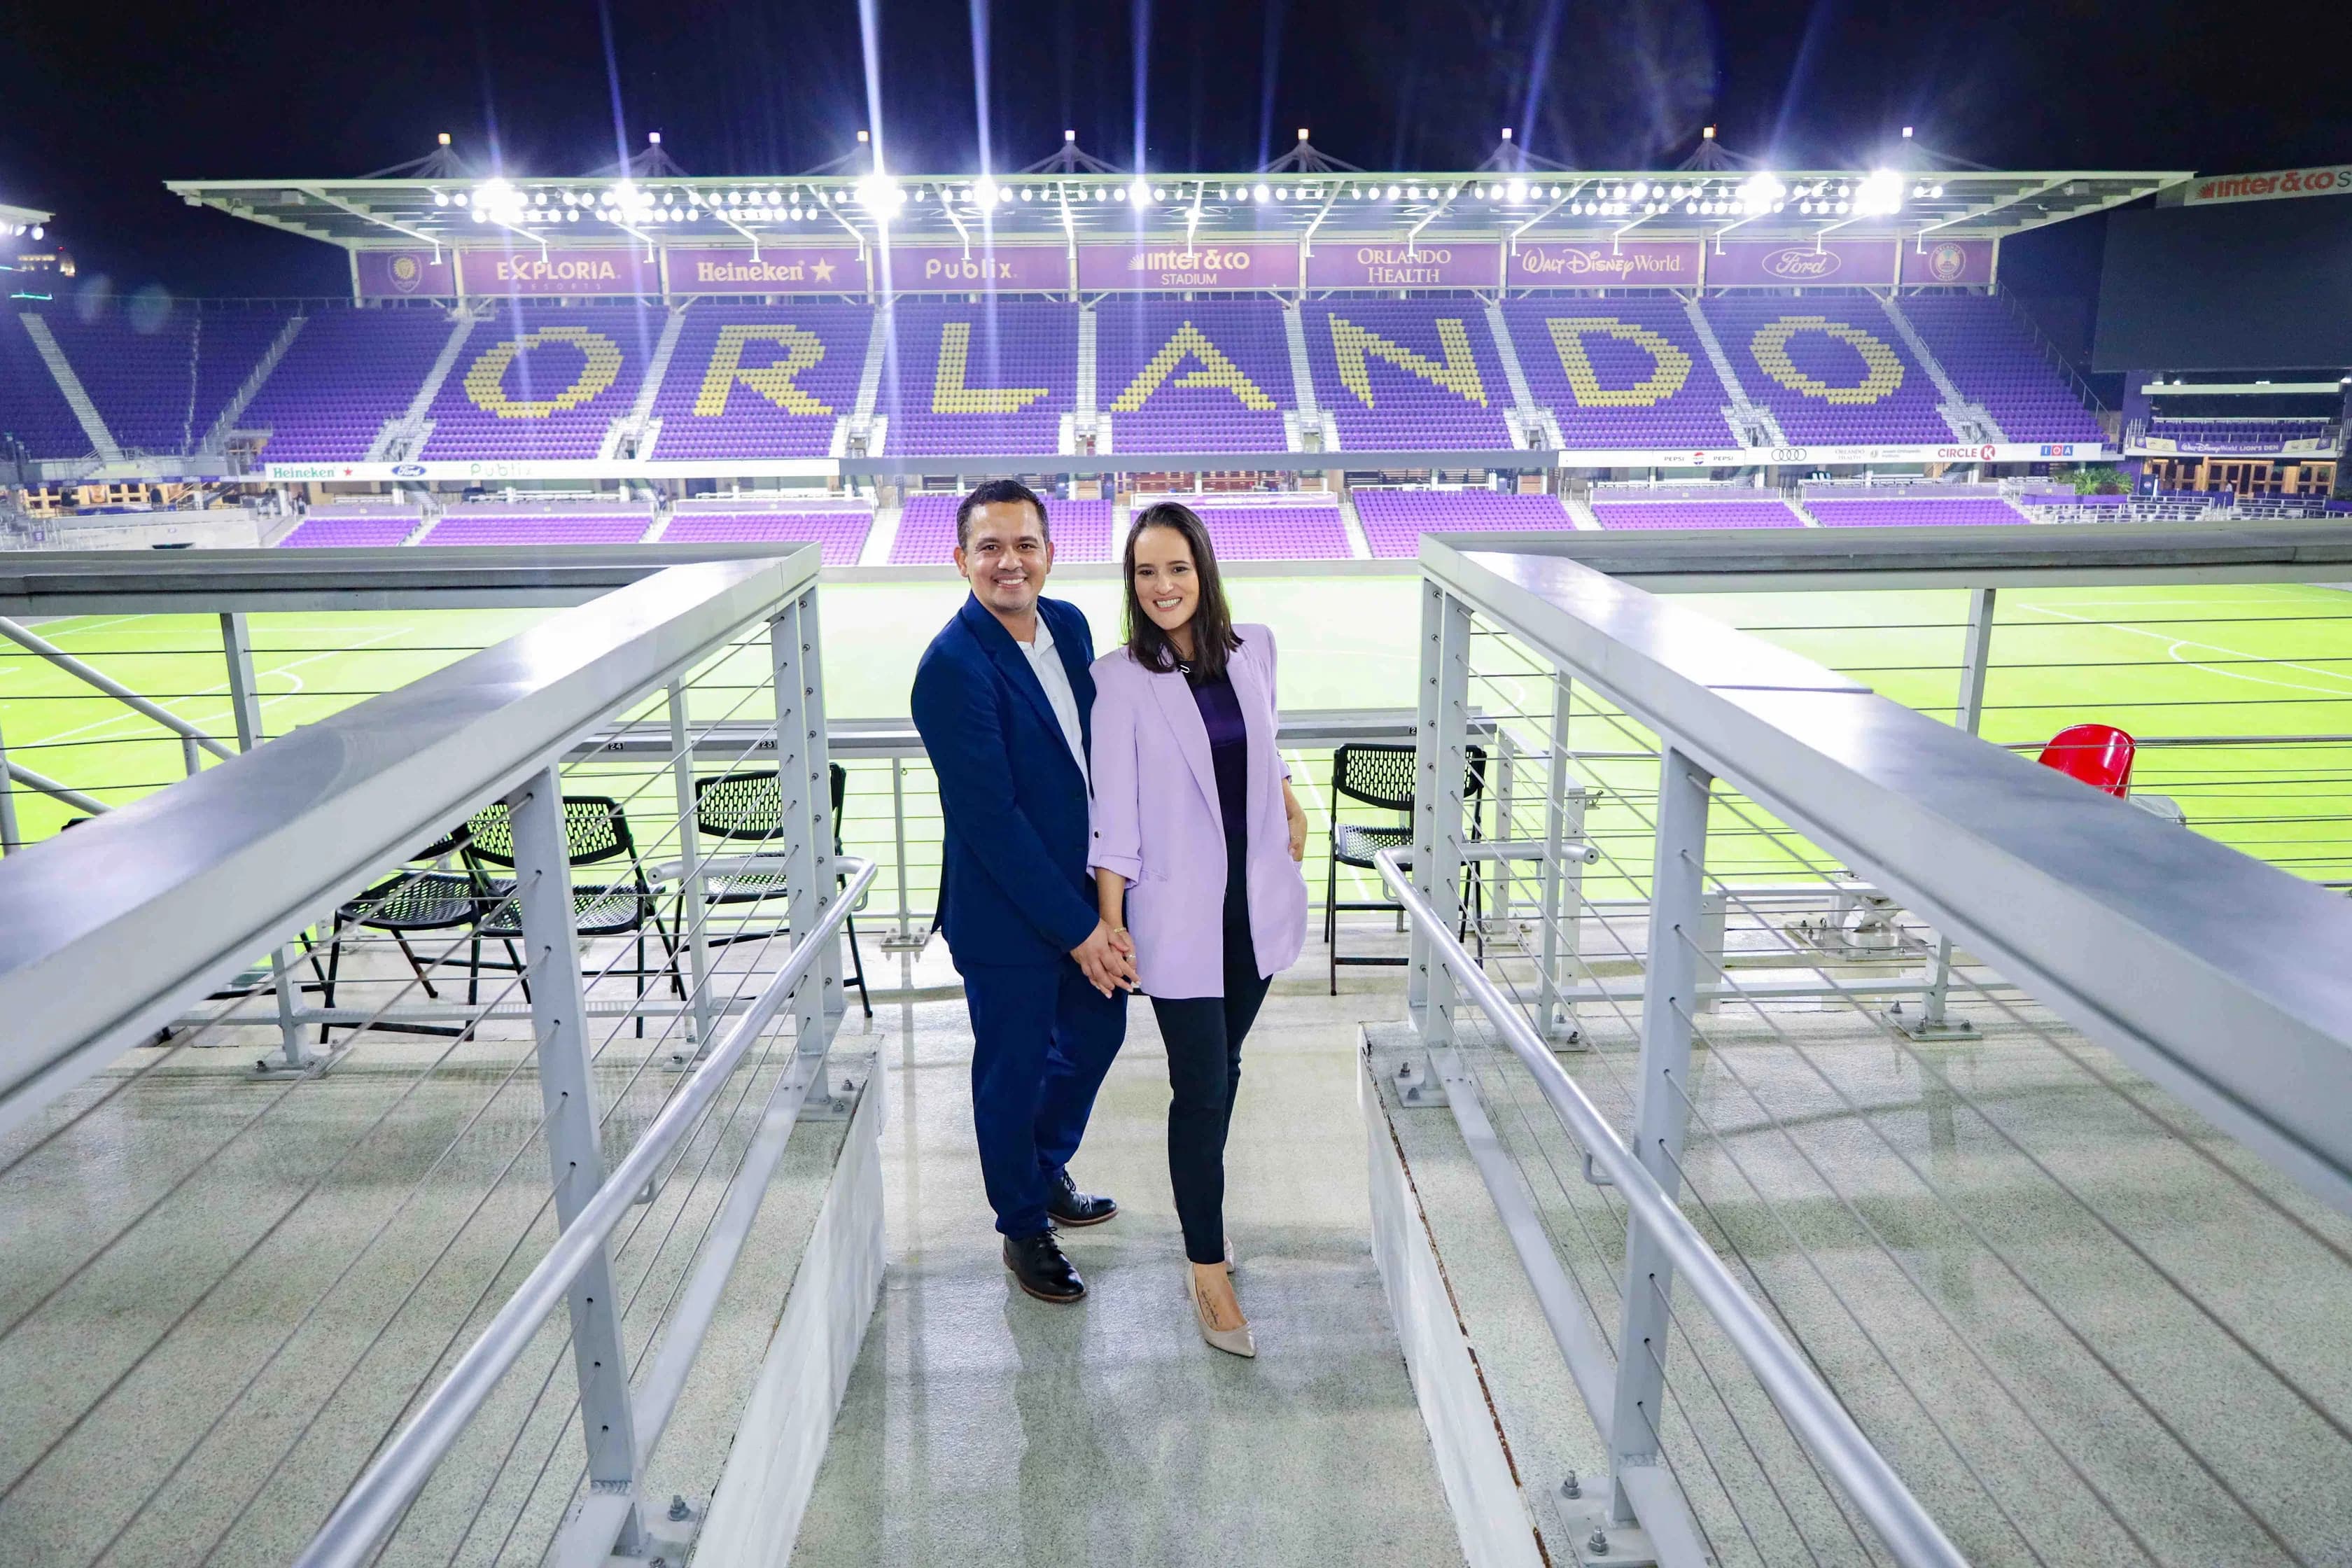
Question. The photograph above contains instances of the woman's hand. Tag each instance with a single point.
(1298, 815)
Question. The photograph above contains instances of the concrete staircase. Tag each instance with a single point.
(1530, 425)
(861, 429)
(1310, 421)
(1970, 422)
(216, 438)
(77, 397)
(1752, 420)
(404, 437)
(637, 429)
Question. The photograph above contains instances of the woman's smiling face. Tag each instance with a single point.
(1167, 582)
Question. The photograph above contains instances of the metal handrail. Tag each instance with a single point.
(1814, 1411)
(376, 1501)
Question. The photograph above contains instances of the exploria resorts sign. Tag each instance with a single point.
(527, 269)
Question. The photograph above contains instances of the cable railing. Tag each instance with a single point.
(295, 1033)
(2009, 1114)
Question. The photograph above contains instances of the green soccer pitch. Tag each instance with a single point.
(2267, 666)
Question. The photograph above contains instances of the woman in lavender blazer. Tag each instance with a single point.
(1196, 847)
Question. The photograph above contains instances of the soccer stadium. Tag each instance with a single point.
(1821, 1034)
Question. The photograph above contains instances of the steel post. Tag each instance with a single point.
(806, 823)
(695, 915)
(899, 835)
(1497, 913)
(11, 837)
(1561, 885)
(245, 709)
(559, 1012)
(1976, 660)
(1442, 748)
(1424, 741)
(1669, 999)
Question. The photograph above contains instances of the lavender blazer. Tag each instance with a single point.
(1156, 822)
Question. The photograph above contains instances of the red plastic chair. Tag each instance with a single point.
(2098, 755)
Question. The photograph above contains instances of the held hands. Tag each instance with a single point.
(1106, 958)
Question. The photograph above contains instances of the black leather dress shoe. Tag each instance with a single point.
(1039, 1268)
(1072, 1208)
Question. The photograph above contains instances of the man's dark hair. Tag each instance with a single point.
(1214, 638)
(990, 492)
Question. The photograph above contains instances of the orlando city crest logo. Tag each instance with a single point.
(407, 272)
(1946, 262)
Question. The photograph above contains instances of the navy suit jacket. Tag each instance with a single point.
(1013, 883)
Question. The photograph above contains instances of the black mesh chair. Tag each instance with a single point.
(619, 903)
(1383, 775)
(425, 898)
(749, 808)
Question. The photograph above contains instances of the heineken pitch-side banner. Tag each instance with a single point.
(1948, 261)
(404, 274)
(527, 269)
(771, 269)
(1394, 264)
(953, 269)
(1779, 263)
(1559, 264)
(1171, 263)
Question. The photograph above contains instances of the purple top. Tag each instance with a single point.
(1221, 715)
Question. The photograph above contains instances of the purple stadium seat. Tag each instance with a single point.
(756, 380)
(1210, 375)
(541, 525)
(1922, 512)
(159, 388)
(1398, 374)
(1696, 514)
(371, 529)
(348, 372)
(1994, 362)
(1832, 368)
(842, 531)
(1395, 521)
(542, 383)
(1276, 532)
(32, 409)
(991, 379)
(1620, 373)
(925, 537)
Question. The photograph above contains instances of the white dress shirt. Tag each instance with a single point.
(1047, 665)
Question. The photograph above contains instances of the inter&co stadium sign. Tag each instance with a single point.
(2317, 180)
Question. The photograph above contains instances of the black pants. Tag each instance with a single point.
(1204, 1072)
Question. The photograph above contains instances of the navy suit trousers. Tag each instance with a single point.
(1042, 1040)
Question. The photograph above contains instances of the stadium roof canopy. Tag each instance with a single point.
(16, 218)
(1584, 206)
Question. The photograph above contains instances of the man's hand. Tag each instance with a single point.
(1297, 825)
(1106, 958)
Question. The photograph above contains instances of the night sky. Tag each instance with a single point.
(101, 103)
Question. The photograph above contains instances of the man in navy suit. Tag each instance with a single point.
(1003, 700)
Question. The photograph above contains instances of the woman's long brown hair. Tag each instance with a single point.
(1212, 619)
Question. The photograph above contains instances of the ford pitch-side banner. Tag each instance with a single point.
(950, 268)
(404, 274)
(1778, 264)
(772, 269)
(527, 269)
(1171, 263)
(1559, 264)
(1932, 261)
(1394, 264)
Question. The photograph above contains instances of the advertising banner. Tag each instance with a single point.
(1561, 264)
(772, 269)
(404, 274)
(1948, 261)
(950, 268)
(558, 269)
(1779, 264)
(1392, 264)
(1170, 264)
(2318, 180)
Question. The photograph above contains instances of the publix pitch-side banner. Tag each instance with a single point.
(770, 269)
(1171, 263)
(953, 269)
(527, 270)
(1561, 264)
(1394, 264)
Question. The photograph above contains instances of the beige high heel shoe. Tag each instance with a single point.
(1233, 1342)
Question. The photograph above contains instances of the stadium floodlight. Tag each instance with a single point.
(1759, 191)
(479, 216)
(1880, 196)
(983, 190)
(1282, 194)
(572, 216)
(1101, 195)
(1936, 190)
(1158, 195)
(1641, 189)
(1140, 192)
(1392, 193)
(1515, 190)
(440, 198)
(1262, 194)
(1691, 207)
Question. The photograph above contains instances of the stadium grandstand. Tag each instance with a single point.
(1819, 1038)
